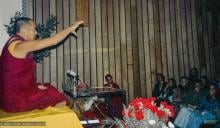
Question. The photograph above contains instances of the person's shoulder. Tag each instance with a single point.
(204, 99)
(115, 85)
(12, 45)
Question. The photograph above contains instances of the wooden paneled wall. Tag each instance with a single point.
(130, 39)
(214, 7)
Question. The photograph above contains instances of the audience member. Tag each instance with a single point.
(205, 83)
(181, 91)
(110, 82)
(194, 96)
(193, 76)
(194, 99)
(159, 86)
(191, 100)
(206, 110)
(168, 90)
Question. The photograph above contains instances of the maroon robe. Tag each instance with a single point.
(18, 87)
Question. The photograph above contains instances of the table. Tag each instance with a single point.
(101, 92)
(113, 99)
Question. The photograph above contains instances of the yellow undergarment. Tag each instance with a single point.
(11, 47)
(50, 117)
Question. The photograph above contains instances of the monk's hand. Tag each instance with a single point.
(75, 26)
(42, 87)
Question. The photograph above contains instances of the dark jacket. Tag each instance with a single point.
(158, 90)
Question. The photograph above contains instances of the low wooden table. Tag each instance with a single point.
(111, 97)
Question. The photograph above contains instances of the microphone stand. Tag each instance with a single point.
(88, 89)
(73, 81)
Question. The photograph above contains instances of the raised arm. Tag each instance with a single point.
(34, 45)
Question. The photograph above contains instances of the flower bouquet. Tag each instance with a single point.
(144, 113)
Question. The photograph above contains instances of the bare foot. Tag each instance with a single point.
(42, 87)
(60, 104)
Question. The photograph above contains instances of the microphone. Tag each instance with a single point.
(75, 76)
(72, 74)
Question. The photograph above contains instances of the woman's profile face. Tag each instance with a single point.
(212, 91)
(197, 87)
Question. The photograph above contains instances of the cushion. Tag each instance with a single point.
(51, 117)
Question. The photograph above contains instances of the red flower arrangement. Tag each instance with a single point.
(143, 111)
(139, 115)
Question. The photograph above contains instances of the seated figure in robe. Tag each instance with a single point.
(110, 82)
(19, 90)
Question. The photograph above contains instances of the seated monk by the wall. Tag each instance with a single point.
(115, 103)
(19, 90)
(110, 82)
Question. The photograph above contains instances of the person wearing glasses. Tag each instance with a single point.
(110, 82)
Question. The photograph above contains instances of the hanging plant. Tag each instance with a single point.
(44, 31)
(10, 27)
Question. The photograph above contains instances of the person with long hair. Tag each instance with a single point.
(205, 84)
(159, 86)
(168, 90)
(207, 110)
(191, 100)
(193, 76)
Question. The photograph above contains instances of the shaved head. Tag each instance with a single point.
(21, 22)
(25, 27)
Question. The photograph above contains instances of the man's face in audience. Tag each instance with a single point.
(170, 83)
(197, 87)
(212, 91)
(184, 82)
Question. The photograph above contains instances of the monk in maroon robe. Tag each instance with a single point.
(19, 90)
